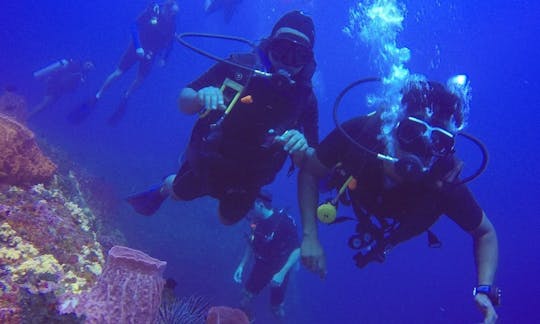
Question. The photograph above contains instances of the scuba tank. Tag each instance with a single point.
(56, 66)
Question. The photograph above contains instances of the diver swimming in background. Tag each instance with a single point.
(60, 78)
(247, 124)
(152, 38)
(274, 246)
(227, 6)
(399, 185)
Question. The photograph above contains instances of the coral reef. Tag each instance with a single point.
(13, 105)
(21, 161)
(226, 315)
(128, 291)
(51, 224)
(47, 245)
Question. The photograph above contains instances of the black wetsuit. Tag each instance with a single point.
(153, 31)
(413, 206)
(233, 161)
(272, 241)
(65, 80)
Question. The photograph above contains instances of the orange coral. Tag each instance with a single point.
(21, 160)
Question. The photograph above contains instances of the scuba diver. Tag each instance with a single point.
(61, 77)
(400, 175)
(254, 109)
(152, 38)
(273, 243)
(227, 6)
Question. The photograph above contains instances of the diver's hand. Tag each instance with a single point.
(211, 98)
(277, 279)
(312, 255)
(486, 307)
(294, 143)
(238, 274)
(140, 52)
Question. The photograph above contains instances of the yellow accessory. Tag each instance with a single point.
(327, 212)
(228, 84)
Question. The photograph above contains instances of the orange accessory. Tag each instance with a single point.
(352, 184)
(247, 99)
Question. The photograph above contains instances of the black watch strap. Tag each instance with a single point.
(494, 293)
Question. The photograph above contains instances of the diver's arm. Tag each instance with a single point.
(279, 276)
(293, 258)
(312, 253)
(191, 101)
(247, 255)
(295, 144)
(188, 101)
(240, 269)
(486, 253)
(135, 38)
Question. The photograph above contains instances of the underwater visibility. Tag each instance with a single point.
(282, 161)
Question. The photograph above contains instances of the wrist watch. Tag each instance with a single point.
(494, 293)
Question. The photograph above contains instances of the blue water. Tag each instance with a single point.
(494, 42)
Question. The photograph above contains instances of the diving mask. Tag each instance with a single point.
(290, 53)
(417, 136)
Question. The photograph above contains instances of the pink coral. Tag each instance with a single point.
(21, 160)
(226, 315)
(128, 290)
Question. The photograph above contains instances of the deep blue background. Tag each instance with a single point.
(494, 42)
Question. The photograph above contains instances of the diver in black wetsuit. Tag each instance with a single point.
(61, 77)
(399, 179)
(275, 248)
(152, 38)
(234, 152)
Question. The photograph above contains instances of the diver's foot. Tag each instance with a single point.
(117, 116)
(147, 202)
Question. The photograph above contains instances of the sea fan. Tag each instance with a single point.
(187, 310)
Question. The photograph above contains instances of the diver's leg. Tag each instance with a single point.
(128, 59)
(144, 69)
(246, 303)
(145, 65)
(134, 85)
(258, 278)
(47, 100)
(110, 79)
(277, 298)
(185, 185)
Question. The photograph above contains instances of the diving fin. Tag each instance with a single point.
(81, 113)
(117, 116)
(148, 202)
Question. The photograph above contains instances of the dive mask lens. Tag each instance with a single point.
(290, 53)
(411, 130)
(442, 143)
